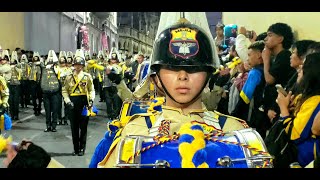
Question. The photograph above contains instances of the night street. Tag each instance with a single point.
(59, 144)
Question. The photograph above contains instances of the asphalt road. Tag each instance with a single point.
(59, 144)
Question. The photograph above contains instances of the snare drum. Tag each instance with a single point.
(239, 149)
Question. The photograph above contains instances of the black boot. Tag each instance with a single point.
(81, 152)
(48, 129)
(59, 122)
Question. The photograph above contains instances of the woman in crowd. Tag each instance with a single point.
(302, 126)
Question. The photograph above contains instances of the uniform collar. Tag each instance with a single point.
(80, 75)
(179, 110)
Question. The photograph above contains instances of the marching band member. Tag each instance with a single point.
(78, 92)
(182, 72)
(25, 68)
(14, 86)
(50, 87)
(34, 77)
(5, 69)
(64, 70)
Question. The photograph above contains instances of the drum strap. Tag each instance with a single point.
(212, 119)
(222, 121)
(148, 122)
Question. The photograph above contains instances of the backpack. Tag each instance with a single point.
(280, 146)
(49, 81)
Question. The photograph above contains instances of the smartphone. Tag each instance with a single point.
(281, 89)
(249, 34)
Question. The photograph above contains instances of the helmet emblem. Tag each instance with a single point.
(183, 42)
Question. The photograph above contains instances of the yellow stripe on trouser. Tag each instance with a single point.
(19, 76)
(100, 79)
(28, 70)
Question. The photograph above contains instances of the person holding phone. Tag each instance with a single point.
(305, 122)
(243, 42)
(281, 89)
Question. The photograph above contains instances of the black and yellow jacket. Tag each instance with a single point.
(308, 144)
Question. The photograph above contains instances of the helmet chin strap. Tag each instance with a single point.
(195, 97)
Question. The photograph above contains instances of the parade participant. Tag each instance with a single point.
(87, 55)
(92, 72)
(111, 79)
(70, 60)
(78, 92)
(148, 89)
(127, 72)
(136, 68)
(34, 77)
(14, 86)
(50, 87)
(25, 68)
(69, 70)
(182, 59)
(63, 71)
(94, 55)
(5, 69)
(111, 75)
(99, 74)
(4, 96)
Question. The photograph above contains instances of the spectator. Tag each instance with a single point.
(250, 100)
(243, 41)
(278, 71)
(314, 47)
(303, 126)
(219, 39)
(261, 36)
(299, 50)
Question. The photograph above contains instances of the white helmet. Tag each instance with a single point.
(14, 58)
(52, 57)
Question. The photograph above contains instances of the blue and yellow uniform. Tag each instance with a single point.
(148, 124)
(308, 144)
